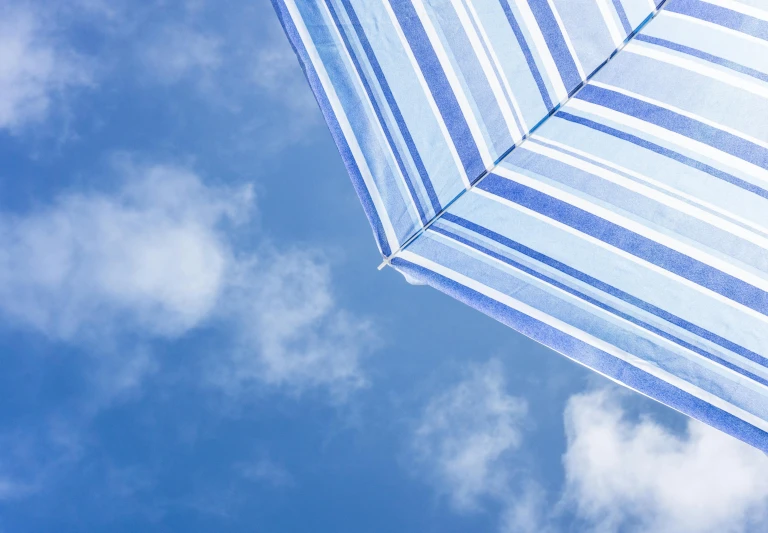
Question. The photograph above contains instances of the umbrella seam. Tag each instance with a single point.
(388, 259)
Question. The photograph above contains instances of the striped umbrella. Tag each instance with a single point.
(592, 173)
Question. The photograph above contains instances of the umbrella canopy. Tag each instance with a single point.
(592, 173)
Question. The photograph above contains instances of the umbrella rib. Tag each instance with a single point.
(388, 259)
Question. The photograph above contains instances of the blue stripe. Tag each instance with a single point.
(665, 152)
(705, 56)
(333, 125)
(483, 103)
(556, 43)
(527, 53)
(624, 239)
(394, 108)
(372, 99)
(591, 357)
(488, 50)
(439, 87)
(601, 305)
(607, 288)
(669, 120)
(722, 17)
(622, 16)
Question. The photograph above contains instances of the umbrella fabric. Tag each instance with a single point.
(424, 97)
(611, 205)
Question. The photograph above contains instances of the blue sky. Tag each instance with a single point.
(195, 337)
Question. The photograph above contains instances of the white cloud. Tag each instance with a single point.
(31, 456)
(180, 51)
(621, 475)
(149, 256)
(35, 68)
(157, 259)
(117, 375)
(152, 260)
(526, 511)
(639, 477)
(279, 80)
(279, 75)
(284, 308)
(466, 437)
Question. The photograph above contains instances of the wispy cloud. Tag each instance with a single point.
(241, 63)
(279, 79)
(124, 272)
(147, 257)
(278, 75)
(11, 488)
(621, 474)
(637, 476)
(36, 67)
(157, 258)
(466, 436)
(290, 332)
(180, 51)
(32, 456)
(527, 511)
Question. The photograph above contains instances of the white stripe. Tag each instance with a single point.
(582, 336)
(529, 21)
(680, 111)
(652, 5)
(669, 136)
(510, 93)
(346, 128)
(567, 40)
(636, 227)
(428, 95)
(640, 331)
(717, 27)
(453, 80)
(607, 12)
(405, 192)
(744, 9)
(493, 81)
(718, 74)
(625, 255)
(655, 183)
(648, 192)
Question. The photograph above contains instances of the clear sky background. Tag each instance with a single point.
(194, 336)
